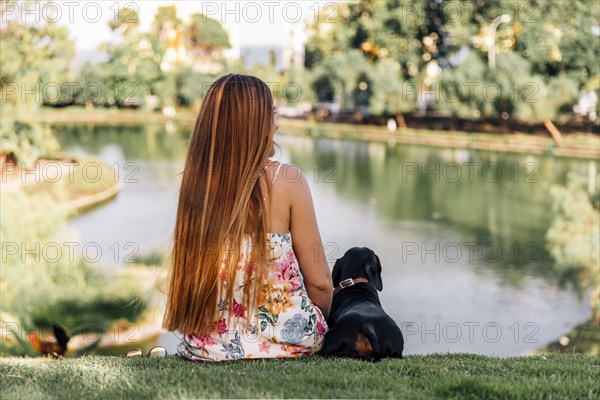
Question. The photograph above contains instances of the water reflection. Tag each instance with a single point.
(460, 233)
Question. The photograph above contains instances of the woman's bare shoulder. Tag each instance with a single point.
(296, 187)
(291, 176)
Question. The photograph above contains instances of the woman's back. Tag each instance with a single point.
(283, 323)
(292, 210)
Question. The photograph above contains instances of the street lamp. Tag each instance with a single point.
(492, 38)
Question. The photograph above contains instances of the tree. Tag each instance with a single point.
(127, 20)
(547, 53)
(35, 61)
(378, 42)
(172, 60)
(206, 34)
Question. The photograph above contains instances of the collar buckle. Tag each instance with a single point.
(346, 283)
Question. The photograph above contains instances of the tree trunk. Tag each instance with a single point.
(401, 121)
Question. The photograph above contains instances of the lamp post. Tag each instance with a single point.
(492, 38)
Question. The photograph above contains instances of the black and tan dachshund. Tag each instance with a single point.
(359, 328)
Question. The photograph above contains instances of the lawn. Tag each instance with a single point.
(452, 376)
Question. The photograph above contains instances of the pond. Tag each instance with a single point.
(460, 233)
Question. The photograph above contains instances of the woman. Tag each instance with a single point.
(248, 274)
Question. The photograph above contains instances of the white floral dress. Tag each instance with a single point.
(285, 323)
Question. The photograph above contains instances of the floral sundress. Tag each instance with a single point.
(285, 323)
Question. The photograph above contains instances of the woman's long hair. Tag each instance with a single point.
(220, 202)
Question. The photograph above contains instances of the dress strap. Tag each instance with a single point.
(276, 173)
(274, 177)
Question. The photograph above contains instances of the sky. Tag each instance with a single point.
(250, 23)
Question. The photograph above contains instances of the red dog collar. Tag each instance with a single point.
(348, 282)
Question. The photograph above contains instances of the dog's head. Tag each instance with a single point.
(358, 262)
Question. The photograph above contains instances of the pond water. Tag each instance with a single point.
(460, 234)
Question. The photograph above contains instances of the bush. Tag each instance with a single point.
(49, 284)
(573, 237)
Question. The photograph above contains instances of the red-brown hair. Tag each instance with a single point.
(220, 202)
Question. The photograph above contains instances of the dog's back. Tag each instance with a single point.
(360, 328)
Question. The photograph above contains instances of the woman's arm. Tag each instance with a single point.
(306, 240)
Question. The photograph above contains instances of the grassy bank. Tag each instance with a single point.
(584, 338)
(585, 146)
(455, 376)
(84, 182)
(582, 145)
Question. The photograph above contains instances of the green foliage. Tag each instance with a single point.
(127, 19)
(207, 34)
(131, 72)
(376, 38)
(335, 83)
(474, 90)
(389, 94)
(462, 100)
(575, 233)
(545, 56)
(295, 92)
(573, 237)
(583, 339)
(44, 281)
(142, 64)
(153, 258)
(166, 17)
(190, 85)
(543, 53)
(97, 303)
(35, 57)
(25, 142)
(80, 184)
(37, 224)
(562, 92)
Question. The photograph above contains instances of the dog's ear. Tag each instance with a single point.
(336, 274)
(374, 273)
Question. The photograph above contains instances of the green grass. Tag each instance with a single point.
(90, 176)
(454, 376)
